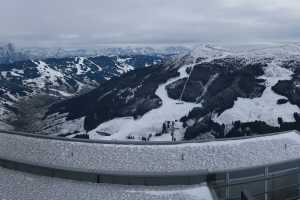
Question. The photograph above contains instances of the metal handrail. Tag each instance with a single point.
(270, 191)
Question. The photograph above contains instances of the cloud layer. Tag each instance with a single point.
(98, 22)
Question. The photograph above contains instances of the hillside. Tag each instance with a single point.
(211, 92)
(61, 78)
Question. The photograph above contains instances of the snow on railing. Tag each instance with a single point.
(149, 158)
(79, 160)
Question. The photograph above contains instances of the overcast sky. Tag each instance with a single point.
(97, 22)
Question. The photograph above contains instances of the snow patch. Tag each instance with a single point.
(79, 66)
(122, 66)
(47, 74)
(199, 192)
(99, 67)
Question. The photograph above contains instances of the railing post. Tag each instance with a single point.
(227, 186)
(98, 178)
(266, 182)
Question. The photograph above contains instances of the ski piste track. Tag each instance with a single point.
(211, 163)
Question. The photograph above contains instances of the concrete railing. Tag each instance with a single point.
(130, 179)
(159, 163)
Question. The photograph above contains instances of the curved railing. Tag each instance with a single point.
(132, 163)
(104, 177)
(129, 142)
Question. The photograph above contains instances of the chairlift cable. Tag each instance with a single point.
(186, 82)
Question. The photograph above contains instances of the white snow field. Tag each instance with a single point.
(123, 67)
(151, 122)
(158, 159)
(264, 108)
(16, 185)
(47, 74)
(79, 66)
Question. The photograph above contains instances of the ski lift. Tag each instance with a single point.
(179, 102)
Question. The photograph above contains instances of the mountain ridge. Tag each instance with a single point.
(62, 77)
(221, 76)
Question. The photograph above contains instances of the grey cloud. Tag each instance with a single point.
(95, 22)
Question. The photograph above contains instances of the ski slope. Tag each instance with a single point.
(47, 74)
(170, 110)
(152, 121)
(264, 108)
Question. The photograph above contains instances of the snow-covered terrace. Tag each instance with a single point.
(16, 185)
(180, 158)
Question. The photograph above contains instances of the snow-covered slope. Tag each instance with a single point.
(264, 108)
(210, 92)
(150, 122)
(62, 77)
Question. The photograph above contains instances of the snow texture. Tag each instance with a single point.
(79, 66)
(47, 74)
(124, 67)
(131, 159)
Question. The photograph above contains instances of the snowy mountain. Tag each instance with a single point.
(211, 92)
(43, 52)
(61, 78)
(9, 53)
